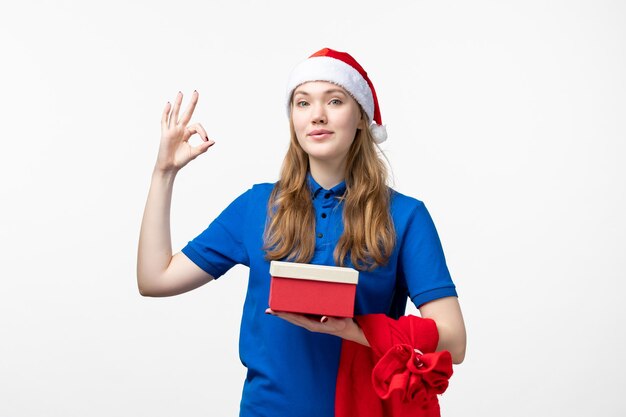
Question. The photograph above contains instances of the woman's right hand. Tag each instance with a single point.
(174, 150)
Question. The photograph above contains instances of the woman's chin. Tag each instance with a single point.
(325, 153)
(322, 157)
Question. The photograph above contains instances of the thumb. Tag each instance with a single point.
(202, 148)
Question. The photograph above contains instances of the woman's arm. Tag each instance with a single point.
(446, 312)
(158, 272)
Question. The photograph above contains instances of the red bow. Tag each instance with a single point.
(411, 375)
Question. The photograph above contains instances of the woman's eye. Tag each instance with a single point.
(335, 101)
(302, 103)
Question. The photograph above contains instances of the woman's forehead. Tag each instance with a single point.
(310, 87)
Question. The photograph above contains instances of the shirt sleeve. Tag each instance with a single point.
(221, 245)
(421, 259)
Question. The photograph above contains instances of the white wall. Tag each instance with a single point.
(506, 118)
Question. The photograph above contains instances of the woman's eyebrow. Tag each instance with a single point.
(334, 91)
(331, 91)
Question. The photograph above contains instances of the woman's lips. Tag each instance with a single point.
(320, 134)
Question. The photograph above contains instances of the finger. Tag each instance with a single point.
(174, 115)
(202, 148)
(198, 128)
(302, 321)
(166, 112)
(195, 128)
(190, 108)
(299, 318)
(292, 318)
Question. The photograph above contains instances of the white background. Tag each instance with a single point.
(505, 117)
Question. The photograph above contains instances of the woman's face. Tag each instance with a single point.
(325, 118)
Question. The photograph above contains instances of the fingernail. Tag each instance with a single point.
(324, 319)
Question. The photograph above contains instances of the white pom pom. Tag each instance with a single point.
(379, 132)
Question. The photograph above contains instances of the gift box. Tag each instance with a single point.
(312, 289)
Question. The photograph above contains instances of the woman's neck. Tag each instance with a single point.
(327, 174)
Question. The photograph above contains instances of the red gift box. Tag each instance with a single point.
(313, 289)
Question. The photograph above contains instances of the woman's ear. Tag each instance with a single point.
(363, 122)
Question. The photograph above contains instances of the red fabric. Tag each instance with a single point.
(399, 375)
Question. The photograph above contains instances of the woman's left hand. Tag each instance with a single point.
(343, 327)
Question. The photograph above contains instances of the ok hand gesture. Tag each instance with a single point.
(174, 150)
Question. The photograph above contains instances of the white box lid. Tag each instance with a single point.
(314, 272)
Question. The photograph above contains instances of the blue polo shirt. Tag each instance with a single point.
(291, 371)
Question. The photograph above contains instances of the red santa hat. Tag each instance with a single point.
(341, 69)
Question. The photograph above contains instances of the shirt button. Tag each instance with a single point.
(320, 235)
(323, 215)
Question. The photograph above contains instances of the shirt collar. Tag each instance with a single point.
(316, 189)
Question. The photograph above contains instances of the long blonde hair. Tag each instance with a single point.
(368, 236)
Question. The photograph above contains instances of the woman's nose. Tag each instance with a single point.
(319, 115)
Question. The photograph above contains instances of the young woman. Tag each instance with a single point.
(331, 206)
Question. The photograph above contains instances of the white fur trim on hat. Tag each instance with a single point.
(379, 132)
(322, 68)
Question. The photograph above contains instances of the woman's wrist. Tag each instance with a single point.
(357, 335)
(164, 174)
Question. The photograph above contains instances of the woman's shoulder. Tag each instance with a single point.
(257, 193)
(251, 200)
(403, 202)
(253, 194)
(262, 188)
(409, 212)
